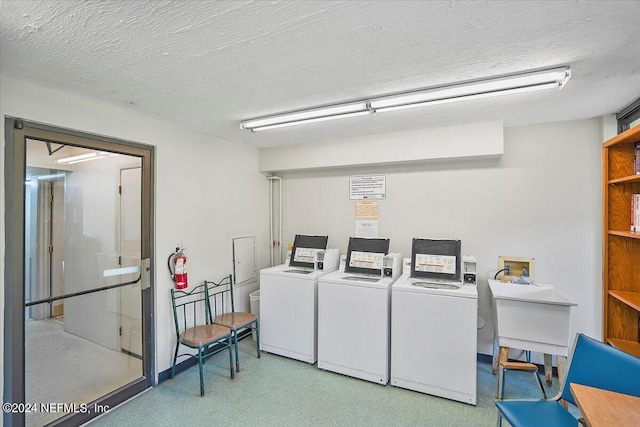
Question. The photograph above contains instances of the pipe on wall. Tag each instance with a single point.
(273, 243)
(270, 222)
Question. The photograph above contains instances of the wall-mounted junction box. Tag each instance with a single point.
(516, 267)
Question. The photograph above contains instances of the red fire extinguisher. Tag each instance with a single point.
(179, 271)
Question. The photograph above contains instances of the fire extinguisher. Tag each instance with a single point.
(179, 271)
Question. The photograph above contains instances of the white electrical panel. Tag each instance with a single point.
(244, 259)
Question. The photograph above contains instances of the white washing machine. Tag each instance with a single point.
(288, 308)
(353, 322)
(434, 338)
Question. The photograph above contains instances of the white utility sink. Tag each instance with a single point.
(532, 317)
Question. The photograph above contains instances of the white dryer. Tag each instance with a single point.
(434, 336)
(288, 303)
(354, 316)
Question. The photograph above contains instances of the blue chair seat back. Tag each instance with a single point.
(596, 364)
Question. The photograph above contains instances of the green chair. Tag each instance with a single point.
(203, 335)
(220, 300)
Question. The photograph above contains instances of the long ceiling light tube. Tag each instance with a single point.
(318, 119)
(76, 158)
(85, 160)
(553, 78)
(306, 116)
(533, 81)
(467, 97)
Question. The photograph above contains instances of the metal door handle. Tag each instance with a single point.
(146, 273)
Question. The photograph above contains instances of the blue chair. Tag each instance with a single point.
(203, 335)
(593, 364)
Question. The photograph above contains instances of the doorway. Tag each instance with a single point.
(44, 234)
(78, 294)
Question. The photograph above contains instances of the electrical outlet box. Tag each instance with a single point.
(517, 267)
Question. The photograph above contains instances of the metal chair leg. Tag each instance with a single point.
(233, 374)
(258, 338)
(500, 380)
(504, 380)
(201, 373)
(544, 394)
(235, 343)
(175, 358)
(499, 419)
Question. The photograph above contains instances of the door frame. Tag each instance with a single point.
(16, 133)
(127, 350)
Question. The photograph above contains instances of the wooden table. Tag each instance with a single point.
(606, 408)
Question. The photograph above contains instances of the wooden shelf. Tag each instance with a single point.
(626, 137)
(630, 234)
(625, 179)
(621, 269)
(630, 347)
(632, 299)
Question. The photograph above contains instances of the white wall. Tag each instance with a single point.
(541, 199)
(217, 182)
(460, 142)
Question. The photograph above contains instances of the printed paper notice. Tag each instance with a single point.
(366, 210)
(370, 187)
(366, 228)
(305, 254)
(371, 260)
(436, 263)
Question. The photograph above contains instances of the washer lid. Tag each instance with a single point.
(288, 271)
(408, 284)
(351, 279)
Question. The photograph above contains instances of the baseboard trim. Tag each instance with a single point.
(129, 353)
(165, 375)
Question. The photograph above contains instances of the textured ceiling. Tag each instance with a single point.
(207, 65)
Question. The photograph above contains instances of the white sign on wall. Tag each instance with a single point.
(368, 187)
(366, 228)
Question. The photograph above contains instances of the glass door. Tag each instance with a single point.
(86, 290)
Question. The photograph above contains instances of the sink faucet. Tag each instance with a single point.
(524, 278)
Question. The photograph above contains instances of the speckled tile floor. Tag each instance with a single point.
(276, 391)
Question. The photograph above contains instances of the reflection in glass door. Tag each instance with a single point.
(77, 354)
(80, 289)
(129, 214)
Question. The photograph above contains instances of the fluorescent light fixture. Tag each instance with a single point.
(318, 119)
(73, 159)
(88, 159)
(552, 78)
(50, 177)
(547, 79)
(466, 97)
(307, 116)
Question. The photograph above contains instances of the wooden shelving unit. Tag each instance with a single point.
(621, 257)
